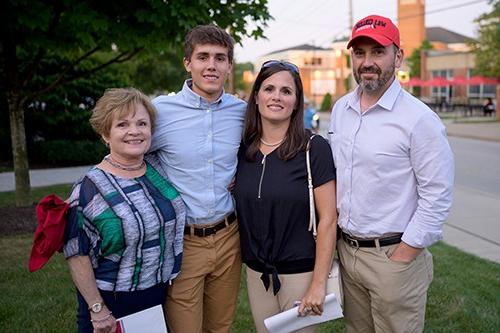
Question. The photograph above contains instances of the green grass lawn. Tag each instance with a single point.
(464, 296)
(9, 198)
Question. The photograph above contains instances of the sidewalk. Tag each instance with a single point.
(488, 131)
(44, 177)
(473, 223)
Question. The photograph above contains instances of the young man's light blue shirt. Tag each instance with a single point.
(198, 142)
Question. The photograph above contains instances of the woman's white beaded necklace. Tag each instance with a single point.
(271, 144)
(110, 160)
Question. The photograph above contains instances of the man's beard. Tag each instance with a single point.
(377, 84)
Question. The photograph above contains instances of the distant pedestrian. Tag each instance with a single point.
(395, 174)
(308, 115)
(123, 238)
(488, 107)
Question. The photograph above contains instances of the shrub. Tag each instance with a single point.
(67, 153)
(326, 105)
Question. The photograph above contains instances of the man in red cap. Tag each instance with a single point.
(395, 174)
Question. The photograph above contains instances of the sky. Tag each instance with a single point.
(318, 22)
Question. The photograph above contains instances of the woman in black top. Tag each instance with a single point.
(284, 264)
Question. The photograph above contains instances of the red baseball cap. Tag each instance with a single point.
(379, 28)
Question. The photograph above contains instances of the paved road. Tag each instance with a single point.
(477, 164)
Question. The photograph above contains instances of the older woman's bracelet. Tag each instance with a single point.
(102, 319)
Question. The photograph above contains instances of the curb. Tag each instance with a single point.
(473, 136)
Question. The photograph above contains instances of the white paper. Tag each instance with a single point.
(150, 320)
(288, 321)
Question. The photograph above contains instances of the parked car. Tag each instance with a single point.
(311, 117)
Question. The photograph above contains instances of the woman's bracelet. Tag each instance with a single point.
(102, 319)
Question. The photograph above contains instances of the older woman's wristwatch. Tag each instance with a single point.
(96, 307)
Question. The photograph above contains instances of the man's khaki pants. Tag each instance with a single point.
(381, 295)
(203, 297)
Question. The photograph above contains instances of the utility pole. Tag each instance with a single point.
(351, 24)
(351, 21)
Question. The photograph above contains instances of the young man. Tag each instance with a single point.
(395, 175)
(197, 135)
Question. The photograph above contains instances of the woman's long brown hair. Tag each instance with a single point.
(296, 136)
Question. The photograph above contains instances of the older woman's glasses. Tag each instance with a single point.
(286, 64)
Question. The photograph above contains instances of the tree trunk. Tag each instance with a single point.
(19, 150)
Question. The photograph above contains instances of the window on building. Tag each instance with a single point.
(442, 93)
(489, 90)
(481, 91)
(314, 61)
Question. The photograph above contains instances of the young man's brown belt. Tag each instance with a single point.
(211, 229)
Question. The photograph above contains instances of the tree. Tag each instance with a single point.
(35, 31)
(63, 112)
(239, 69)
(158, 72)
(414, 62)
(414, 59)
(326, 104)
(487, 48)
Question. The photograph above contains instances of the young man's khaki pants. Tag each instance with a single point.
(203, 297)
(381, 295)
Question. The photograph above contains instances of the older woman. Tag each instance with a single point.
(284, 264)
(123, 238)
